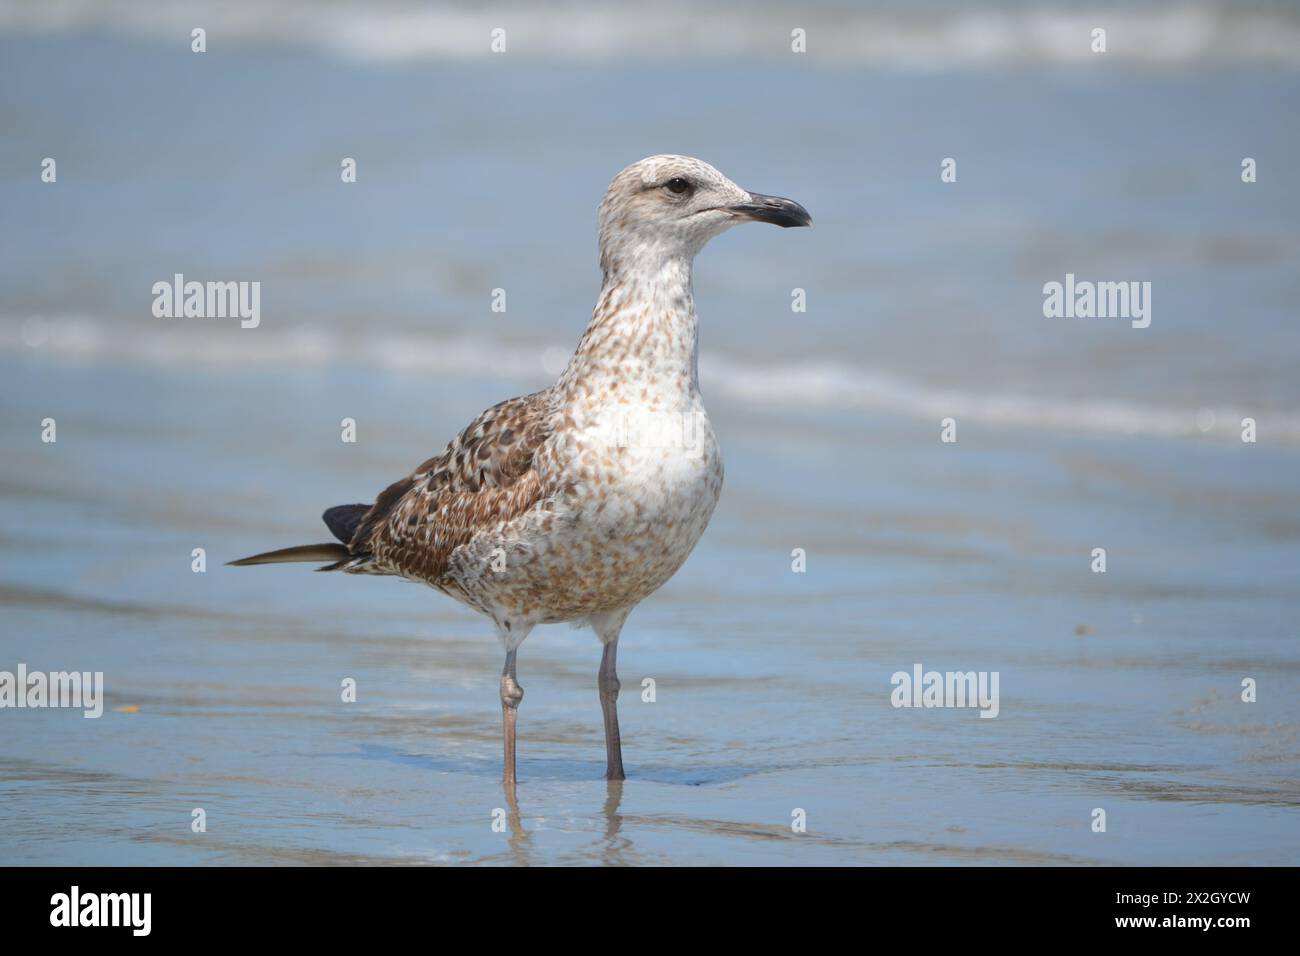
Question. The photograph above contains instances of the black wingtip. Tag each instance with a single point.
(343, 520)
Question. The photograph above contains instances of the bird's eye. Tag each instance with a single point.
(677, 185)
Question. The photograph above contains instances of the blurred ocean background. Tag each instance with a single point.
(479, 171)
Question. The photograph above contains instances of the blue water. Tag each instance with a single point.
(1118, 690)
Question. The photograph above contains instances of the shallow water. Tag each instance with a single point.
(772, 689)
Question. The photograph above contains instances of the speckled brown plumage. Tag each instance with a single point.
(485, 477)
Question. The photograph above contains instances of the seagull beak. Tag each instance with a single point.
(780, 212)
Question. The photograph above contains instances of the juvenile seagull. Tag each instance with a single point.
(577, 502)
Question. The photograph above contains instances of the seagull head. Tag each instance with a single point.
(667, 207)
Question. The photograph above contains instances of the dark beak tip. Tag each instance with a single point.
(794, 219)
(785, 213)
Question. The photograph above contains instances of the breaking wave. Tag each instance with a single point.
(929, 36)
(774, 385)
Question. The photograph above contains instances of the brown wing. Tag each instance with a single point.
(486, 475)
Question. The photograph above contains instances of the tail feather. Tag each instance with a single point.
(305, 552)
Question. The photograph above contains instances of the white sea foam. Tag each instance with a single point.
(775, 386)
(930, 36)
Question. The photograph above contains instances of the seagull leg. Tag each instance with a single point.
(607, 629)
(609, 686)
(511, 695)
